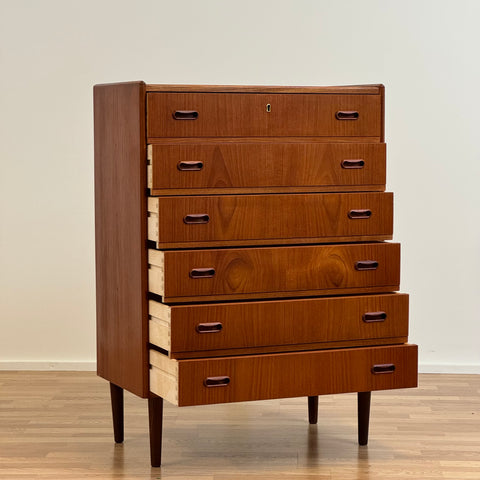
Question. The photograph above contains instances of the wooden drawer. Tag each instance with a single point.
(217, 220)
(246, 114)
(234, 273)
(260, 377)
(278, 325)
(272, 167)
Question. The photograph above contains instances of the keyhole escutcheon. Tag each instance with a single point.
(269, 108)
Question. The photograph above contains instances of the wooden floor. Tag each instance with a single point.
(57, 425)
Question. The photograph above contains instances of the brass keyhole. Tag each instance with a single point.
(269, 108)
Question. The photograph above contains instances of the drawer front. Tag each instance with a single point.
(249, 114)
(244, 167)
(299, 217)
(236, 379)
(275, 323)
(275, 272)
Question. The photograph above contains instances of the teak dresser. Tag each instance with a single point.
(240, 247)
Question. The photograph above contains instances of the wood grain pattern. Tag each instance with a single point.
(234, 218)
(249, 166)
(256, 190)
(57, 425)
(347, 89)
(120, 235)
(260, 140)
(247, 325)
(281, 271)
(293, 374)
(237, 114)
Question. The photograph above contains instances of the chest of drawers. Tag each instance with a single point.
(241, 247)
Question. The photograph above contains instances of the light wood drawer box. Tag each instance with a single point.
(260, 377)
(278, 325)
(266, 167)
(217, 220)
(249, 115)
(262, 272)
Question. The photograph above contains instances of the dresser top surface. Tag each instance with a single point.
(347, 89)
(374, 89)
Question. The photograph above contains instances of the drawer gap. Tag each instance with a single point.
(265, 350)
(159, 349)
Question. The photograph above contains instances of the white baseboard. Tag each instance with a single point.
(448, 368)
(50, 366)
(92, 366)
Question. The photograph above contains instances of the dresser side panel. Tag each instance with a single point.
(382, 97)
(120, 235)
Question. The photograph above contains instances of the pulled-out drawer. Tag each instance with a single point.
(282, 375)
(214, 329)
(265, 167)
(266, 272)
(263, 114)
(217, 220)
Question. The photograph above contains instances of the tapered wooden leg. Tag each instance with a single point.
(116, 396)
(155, 415)
(363, 404)
(313, 410)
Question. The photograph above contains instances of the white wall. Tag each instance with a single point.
(53, 52)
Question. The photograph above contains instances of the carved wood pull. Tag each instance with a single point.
(185, 115)
(384, 368)
(349, 164)
(359, 214)
(216, 381)
(371, 317)
(190, 166)
(196, 218)
(202, 273)
(213, 327)
(366, 265)
(347, 115)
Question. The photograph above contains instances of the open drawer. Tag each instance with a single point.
(267, 272)
(237, 328)
(269, 219)
(282, 375)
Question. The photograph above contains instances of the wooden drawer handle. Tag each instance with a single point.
(359, 214)
(202, 273)
(216, 381)
(366, 265)
(384, 368)
(196, 218)
(185, 115)
(347, 115)
(371, 317)
(213, 327)
(353, 164)
(190, 166)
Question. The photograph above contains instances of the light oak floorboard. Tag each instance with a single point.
(57, 425)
